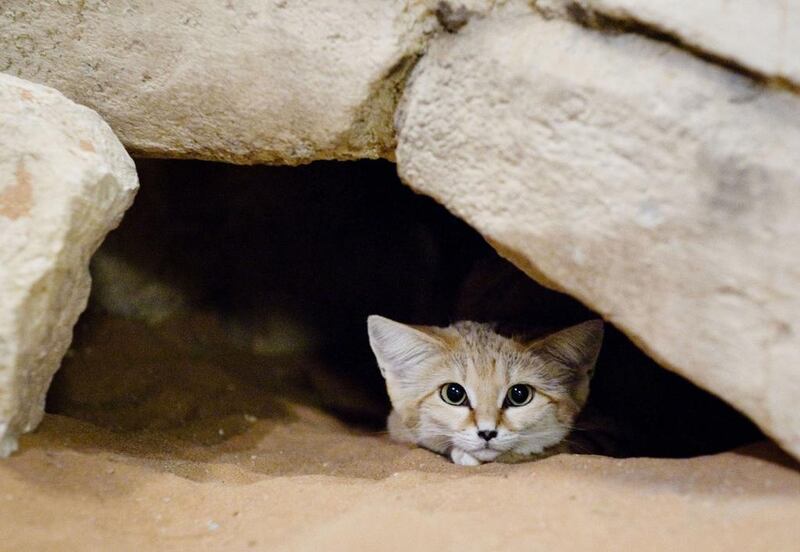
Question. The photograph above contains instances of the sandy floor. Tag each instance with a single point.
(275, 474)
(310, 484)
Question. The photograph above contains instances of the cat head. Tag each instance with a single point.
(467, 387)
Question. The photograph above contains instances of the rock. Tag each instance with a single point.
(250, 81)
(660, 189)
(65, 181)
(763, 37)
(286, 82)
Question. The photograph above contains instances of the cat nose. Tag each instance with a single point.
(487, 435)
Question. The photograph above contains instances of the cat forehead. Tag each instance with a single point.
(477, 338)
(478, 335)
(476, 346)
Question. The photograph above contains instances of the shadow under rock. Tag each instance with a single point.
(176, 397)
(178, 376)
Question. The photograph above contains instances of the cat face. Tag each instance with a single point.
(469, 392)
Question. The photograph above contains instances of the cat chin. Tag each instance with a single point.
(486, 454)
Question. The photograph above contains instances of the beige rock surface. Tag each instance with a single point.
(660, 189)
(248, 81)
(760, 35)
(65, 181)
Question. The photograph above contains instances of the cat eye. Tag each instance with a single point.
(453, 393)
(519, 395)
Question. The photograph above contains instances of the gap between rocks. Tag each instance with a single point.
(593, 19)
(232, 301)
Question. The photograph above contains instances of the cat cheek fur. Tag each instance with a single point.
(446, 420)
(548, 430)
(428, 422)
(534, 426)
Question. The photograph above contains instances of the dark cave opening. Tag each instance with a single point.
(271, 273)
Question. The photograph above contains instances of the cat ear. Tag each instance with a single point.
(570, 356)
(577, 347)
(399, 348)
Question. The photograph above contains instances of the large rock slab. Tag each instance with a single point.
(65, 181)
(249, 81)
(662, 190)
(758, 35)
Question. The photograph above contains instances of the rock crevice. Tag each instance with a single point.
(753, 38)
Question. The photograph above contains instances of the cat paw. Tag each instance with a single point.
(462, 458)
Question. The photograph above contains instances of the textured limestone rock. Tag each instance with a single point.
(246, 81)
(65, 181)
(760, 35)
(279, 81)
(662, 190)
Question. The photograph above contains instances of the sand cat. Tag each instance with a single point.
(477, 396)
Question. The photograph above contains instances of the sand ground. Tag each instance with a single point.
(311, 484)
(165, 450)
